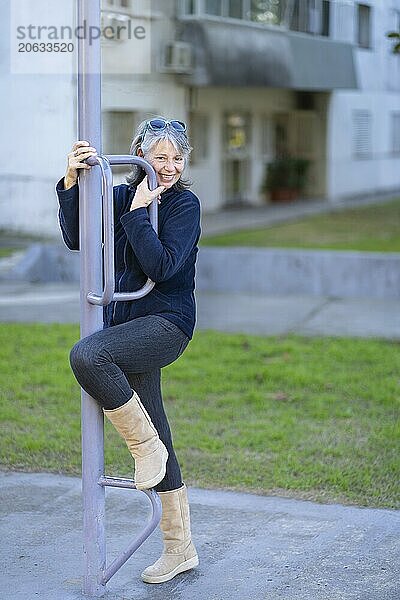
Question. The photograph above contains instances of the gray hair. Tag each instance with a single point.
(145, 138)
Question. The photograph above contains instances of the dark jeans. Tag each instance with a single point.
(110, 363)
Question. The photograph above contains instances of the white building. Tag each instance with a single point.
(312, 78)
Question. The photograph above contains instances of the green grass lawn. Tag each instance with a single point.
(4, 252)
(371, 228)
(313, 418)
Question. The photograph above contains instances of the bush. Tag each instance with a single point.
(286, 173)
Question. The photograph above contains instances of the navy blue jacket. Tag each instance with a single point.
(168, 259)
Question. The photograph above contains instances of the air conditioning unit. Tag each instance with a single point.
(177, 58)
(114, 27)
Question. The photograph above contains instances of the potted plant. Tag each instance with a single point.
(286, 178)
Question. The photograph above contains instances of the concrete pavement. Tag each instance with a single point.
(250, 547)
(243, 313)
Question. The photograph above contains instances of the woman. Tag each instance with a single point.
(120, 366)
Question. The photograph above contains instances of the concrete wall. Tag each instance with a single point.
(269, 271)
(347, 174)
(275, 271)
(38, 121)
(378, 73)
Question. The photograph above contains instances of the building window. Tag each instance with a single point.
(267, 12)
(364, 25)
(298, 15)
(213, 7)
(395, 127)
(120, 3)
(235, 9)
(189, 7)
(237, 133)
(326, 18)
(309, 16)
(362, 134)
(199, 134)
(259, 11)
(313, 17)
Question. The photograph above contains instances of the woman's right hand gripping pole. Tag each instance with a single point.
(81, 150)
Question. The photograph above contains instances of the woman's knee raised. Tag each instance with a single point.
(79, 357)
(85, 354)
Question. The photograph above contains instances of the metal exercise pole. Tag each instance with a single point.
(102, 299)
(94, 481)
(89, 128)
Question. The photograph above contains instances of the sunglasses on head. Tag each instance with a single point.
(159, 124)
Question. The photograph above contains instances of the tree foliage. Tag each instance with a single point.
(394, 35)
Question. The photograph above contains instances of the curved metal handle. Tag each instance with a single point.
(105, 162)
(156, 512)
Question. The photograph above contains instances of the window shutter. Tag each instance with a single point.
(362, 133)
(395, 126)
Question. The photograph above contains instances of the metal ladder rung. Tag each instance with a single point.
(117, 482)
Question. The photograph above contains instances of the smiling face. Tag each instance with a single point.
(167, 162)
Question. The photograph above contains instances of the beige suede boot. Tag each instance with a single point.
(179, 552)
(133, 423)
